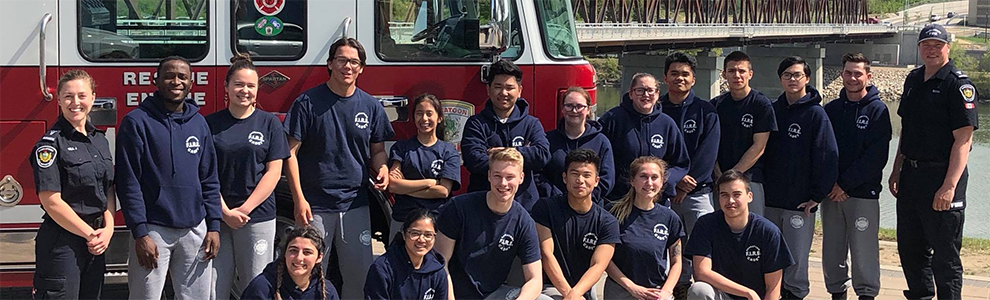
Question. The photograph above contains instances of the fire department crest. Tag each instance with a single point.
(45, 156)
(589, 241)
(968, 92)
(361, 120)
(505, 242)
(753, 253)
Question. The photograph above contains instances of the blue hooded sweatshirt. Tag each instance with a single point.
(560, 145)
(392, 276)
(634, 134)
(522, 131)
(699, 124)
(166, 168)
(263, 287)
(862, 131)
(801, 158)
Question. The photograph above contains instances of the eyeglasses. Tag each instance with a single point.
(575, 107)
(341, 61)
(789, 76)
(643, 91)
(415, 234)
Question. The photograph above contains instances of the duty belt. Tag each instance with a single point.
(914, 163)
(94, 221)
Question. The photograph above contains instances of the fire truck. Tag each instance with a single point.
(441, 47)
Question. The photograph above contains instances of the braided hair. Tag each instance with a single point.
(316, 237)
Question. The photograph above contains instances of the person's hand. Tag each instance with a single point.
(99, 240)
(244, 211)
(665, 294)
(573, 296)
(235, 219)
(147, 252)
(943, 198)
(395, 174)
(302, 212)
(211, 244)
(895, 178)
(687, 184)
(643, 293)
(679, 197)
(837, 194)
(807, 206)
(381, 181)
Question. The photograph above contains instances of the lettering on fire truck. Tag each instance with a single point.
(147, 79)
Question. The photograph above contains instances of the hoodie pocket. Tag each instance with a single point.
(180, 202)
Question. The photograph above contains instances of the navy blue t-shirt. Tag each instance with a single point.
(336, 134)
(244, 147)
(418, 161)
(739, 120)
(646, 235)
(575, 235)
(741, 257)
(487, 243)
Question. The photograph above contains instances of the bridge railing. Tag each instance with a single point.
(603, 32)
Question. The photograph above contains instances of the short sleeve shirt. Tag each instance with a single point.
(930, 110)
(336, 134)
(646, 236)
(244, 147)
(486, 243)
(77, 165)
(418, 161)
(739, 120)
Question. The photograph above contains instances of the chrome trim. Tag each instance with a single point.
(42, 72)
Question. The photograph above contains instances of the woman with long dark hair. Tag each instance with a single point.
(296, 274)
(410, 268)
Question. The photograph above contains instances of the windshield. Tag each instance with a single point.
(557, 27)
(438, 30)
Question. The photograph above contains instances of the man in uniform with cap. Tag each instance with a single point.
(938, 116)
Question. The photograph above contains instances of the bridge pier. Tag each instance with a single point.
(765, 60)
(707, 73)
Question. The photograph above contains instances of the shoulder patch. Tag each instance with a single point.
(48, 138)
(968, 92)
(45, 155)
(960, 74)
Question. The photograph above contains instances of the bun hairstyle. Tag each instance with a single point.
(238, 62)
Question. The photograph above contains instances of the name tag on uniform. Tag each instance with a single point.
(936, 92)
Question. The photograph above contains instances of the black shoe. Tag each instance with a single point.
(787, 295)
(865, 297)
(839, 296)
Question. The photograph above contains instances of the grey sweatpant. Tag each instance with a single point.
(704, 291)
(507, 292)
(851, 226)
(759, 199)
(689, 210)
(350, 233)
(798, 230)
(244, 253)
(179, 256)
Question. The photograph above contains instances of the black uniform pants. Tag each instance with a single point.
(65, 269)
(928, 241)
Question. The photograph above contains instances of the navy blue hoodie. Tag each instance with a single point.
(263, 287)
(166, 168)
(699, 124)
(862, 131)
(560, 144)
(522, 131)
(392, 276)
(801, 158)
(634, 134)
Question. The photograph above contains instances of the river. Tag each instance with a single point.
(978, 207)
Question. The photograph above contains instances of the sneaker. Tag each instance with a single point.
(839, 296)
(787, 295)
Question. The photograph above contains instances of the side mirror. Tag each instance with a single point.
(494, 39)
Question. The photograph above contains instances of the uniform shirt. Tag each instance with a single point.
(646, 235)
(486, 243)
(739, 121)
(336, 134)
(634, 134)
(742, 257)
(575, 235)
(930, 110)
(862, 133)
(592, 138)
(699, 124)
(392, 276)
(77, 165)
(244, 147)
(418, 161)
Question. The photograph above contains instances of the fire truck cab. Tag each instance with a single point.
(413, 47)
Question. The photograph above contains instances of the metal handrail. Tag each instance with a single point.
(42, 72)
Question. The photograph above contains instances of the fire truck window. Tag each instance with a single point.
(143, 30)
(269, 30)
(437, 30)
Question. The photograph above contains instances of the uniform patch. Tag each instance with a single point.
(970, 105)
(863, 122)
(505, 242)
(435, 167)
(797, 221)
(660, 231)
(518, 141)
(256, 138)
(794, 131)
(361, 120)
(48, 138)
(753, 253)
(747, 121)
(862, 223)
(45, 156)
(260, 247)
(656, 141)
(366, 237)
(192, 144)
(968, 92)
(430, 293)
(589, 241)
(690, 126)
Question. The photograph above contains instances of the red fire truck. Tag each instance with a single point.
(414, 46)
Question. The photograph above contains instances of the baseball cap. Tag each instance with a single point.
(933, 32)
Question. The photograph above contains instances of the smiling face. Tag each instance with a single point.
(419, 237)
(737, 74)
(679, 78)
(504, 91)
(934, 53)
(426, 117)
(301, 256)
(581, 179)
(242, 89)
(648, 182)
(75, 98)
(345, 66)
(575, 109)
(794, 80)
(505, 178)
(644, 94)
(174, 81)
(855, 78)
(734, 198)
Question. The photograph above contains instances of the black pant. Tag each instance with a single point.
(928, 241)
(65, 269)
